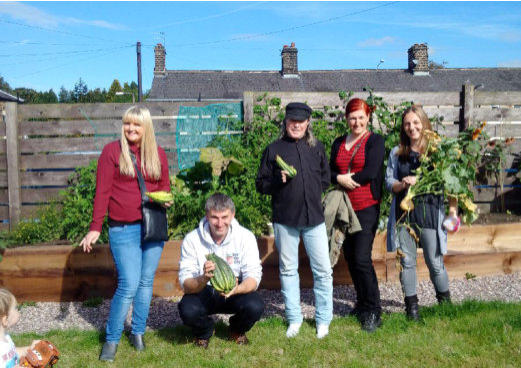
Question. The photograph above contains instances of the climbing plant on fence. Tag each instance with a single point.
(191, 187)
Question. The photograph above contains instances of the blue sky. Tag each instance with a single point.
(49, 44)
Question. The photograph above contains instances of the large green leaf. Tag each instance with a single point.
(214, 157)
(235, 167)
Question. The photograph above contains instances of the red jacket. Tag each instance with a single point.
(120, 194)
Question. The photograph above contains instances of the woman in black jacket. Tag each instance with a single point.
(356, 165)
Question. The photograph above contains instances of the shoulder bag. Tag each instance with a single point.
(154, 224)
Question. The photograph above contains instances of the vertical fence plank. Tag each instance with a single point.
(247, 107)
(468, 106)
(13, 163)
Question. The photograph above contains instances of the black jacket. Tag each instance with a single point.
(373, 169)
(297, 202)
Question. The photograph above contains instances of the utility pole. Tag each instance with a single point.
(139, 89)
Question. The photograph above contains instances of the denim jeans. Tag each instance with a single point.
(287, 241)
(433, 260)
(136, 263)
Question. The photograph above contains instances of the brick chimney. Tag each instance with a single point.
(160, 53)
(289, 61)
(418, 59)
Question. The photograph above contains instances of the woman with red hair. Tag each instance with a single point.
(357, 166)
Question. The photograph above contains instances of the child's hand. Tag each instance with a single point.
(33, 343)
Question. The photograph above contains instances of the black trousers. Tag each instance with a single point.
(195, 310)
(357, 252)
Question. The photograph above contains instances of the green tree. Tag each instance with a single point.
(4, 86)
(64, 95)
(29, 95)
(114, 87)
(80, 91)
(96, 95)
(49, 97)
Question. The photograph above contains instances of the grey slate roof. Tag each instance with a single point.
(4, 96)
(219, 84)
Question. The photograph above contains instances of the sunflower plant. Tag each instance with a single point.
(448, 167)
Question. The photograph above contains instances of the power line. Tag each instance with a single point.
(240, 38)
(47, 43)
(54, 58)
(65, 64)
(193, 20)
(66, 52)
(57, 31)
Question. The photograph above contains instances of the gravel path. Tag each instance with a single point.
(163, 312)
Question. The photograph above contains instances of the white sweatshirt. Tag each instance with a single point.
(239, 249)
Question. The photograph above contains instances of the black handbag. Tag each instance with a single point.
(154, 223)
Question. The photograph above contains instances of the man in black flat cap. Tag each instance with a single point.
(297, 211)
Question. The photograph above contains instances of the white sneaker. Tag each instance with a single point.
(293, 329)
(322, 331)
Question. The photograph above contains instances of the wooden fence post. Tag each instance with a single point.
(247, 106)
(13, 163)
(468, 106)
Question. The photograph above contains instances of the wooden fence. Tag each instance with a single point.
(459, 109)
(42, 144)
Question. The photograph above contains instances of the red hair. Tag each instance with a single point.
(356, 104)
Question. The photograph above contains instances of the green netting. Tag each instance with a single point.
(197, 126)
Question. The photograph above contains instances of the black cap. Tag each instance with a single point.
(298, 111)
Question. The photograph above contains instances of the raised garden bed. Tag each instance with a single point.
(64, 273)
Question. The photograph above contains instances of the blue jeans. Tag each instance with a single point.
(136, 263)
(287, 241)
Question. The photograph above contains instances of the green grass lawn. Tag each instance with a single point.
(471, 334)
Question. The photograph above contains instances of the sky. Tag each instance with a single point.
(47, 45)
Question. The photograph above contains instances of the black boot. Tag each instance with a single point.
(411, 308)
(137, 342)
(108, 352)
(443, 297)
(370, 321)
(355, 312)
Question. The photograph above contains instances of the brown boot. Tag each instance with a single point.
(202, 343)
(240, 339)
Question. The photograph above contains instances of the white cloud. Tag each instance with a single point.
(491, 31)
(249, 36)
(95, 23)
(510, 64)
(33, 16)
(28, 14)
(376, 42)
(300, 11)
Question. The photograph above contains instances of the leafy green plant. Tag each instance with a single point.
(46, 225)
(93, 302)
(78, 202)
(493, 163)
(470, 276)
(25, 304)
(447, 168)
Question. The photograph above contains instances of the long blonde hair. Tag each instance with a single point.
(7, 300)
(150, 164)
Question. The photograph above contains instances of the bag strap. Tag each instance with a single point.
(355, 151)
(140, 180)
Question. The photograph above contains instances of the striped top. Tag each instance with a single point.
(360, 197)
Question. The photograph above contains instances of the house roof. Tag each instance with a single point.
(4, 96)
(222, 84)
